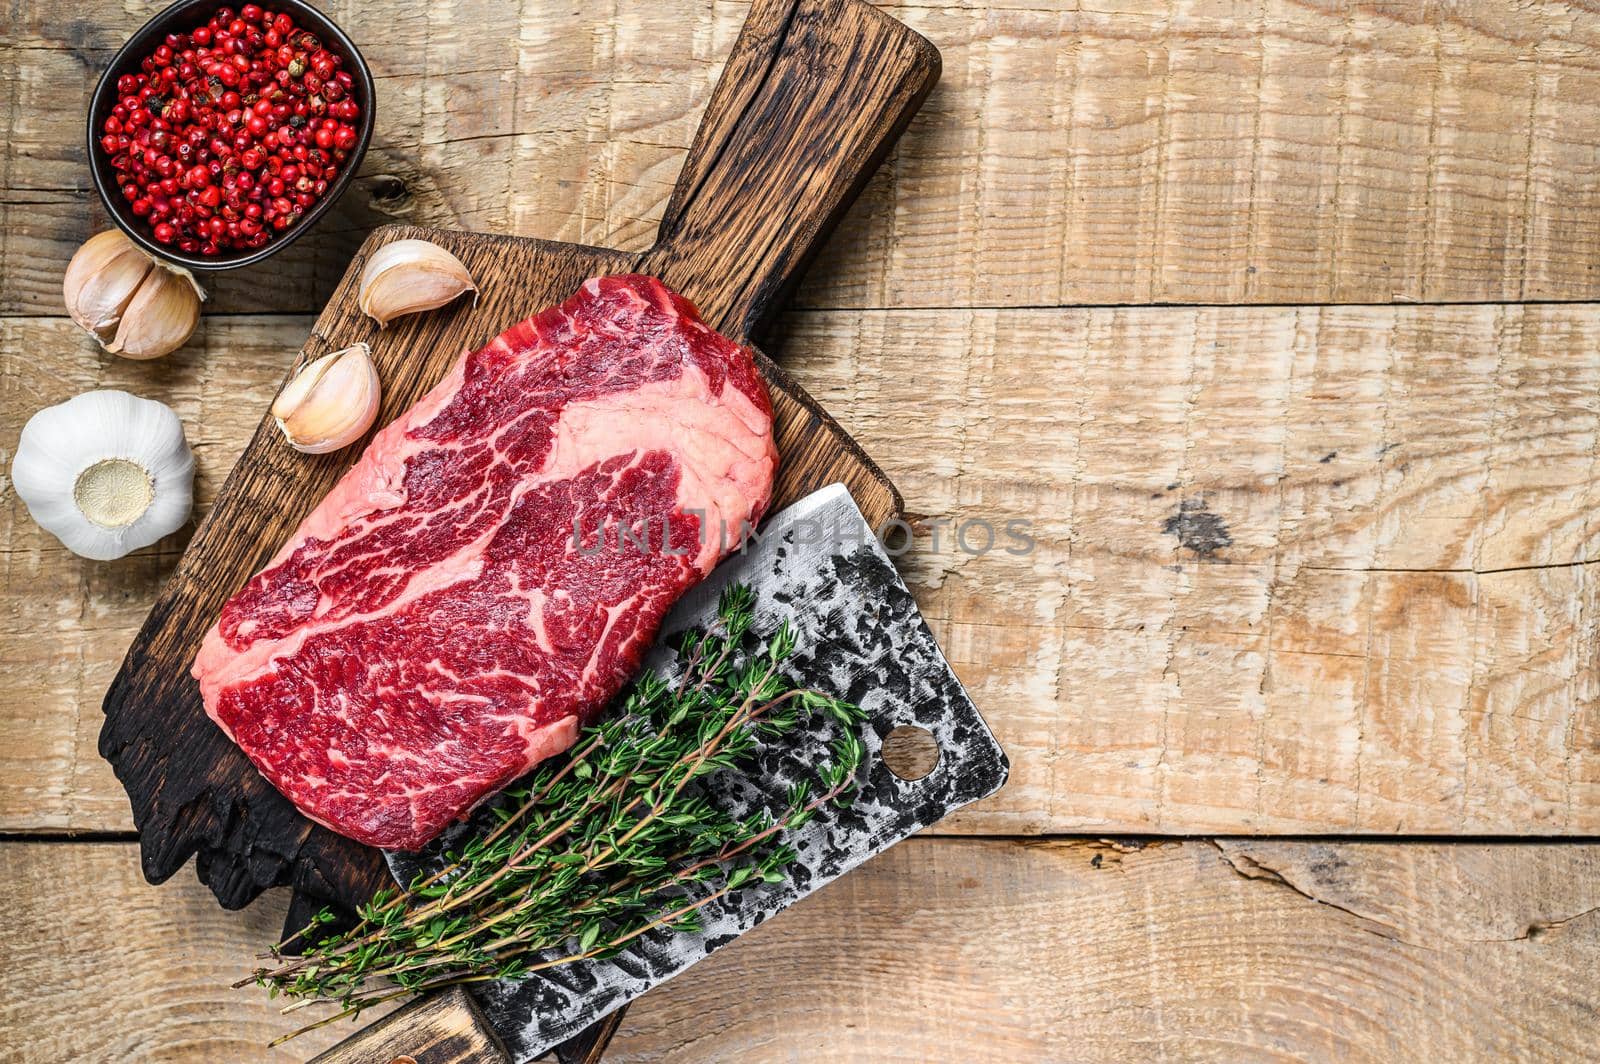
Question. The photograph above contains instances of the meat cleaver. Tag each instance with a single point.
(819, 566)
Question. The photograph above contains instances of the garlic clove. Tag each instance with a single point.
(161, 316)
(106, 473)
(101, 281)
(408, 276)
(331, 402)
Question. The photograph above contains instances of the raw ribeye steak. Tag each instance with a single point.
(490, 572)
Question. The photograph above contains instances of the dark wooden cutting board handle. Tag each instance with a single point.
(812, 98)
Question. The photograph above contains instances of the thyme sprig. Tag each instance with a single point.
(607, 844)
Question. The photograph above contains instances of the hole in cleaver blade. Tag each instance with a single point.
(859, 636)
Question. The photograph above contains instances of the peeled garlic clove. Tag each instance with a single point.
(331, 402)
(161, 316)
(101, 280)
(106, 473)
(408, 276)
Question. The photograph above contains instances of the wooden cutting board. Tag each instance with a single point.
(813, 95)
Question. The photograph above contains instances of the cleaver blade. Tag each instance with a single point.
(860, 636)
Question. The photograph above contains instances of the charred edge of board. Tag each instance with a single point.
(245, 837)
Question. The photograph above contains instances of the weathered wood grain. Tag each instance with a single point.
(941, 949)
(67, 622)
(1179, 951)
(812, 98)
(1396, 634)
(1296, 570)
(1076, 152)
(1333, 572)
(101, 966)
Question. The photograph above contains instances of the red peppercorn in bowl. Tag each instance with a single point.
(221, 133)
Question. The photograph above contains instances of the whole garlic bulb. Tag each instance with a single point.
(330, 402)
(133, 305)
(106, 473)
(408, 276)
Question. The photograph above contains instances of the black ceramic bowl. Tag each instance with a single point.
(182, 17)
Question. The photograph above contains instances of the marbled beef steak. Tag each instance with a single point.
(435, 628)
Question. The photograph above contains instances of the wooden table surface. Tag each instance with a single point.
(1277, 322)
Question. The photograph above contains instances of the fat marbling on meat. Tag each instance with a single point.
(434, 629)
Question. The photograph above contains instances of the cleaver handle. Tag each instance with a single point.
(813, 96)
(447, 1027)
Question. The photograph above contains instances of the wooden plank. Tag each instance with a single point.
(107, 967)
(1399, 633)
(1214, 151)
(1297, 570)
(67, 622)
(1182, 951)
(986, 950)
